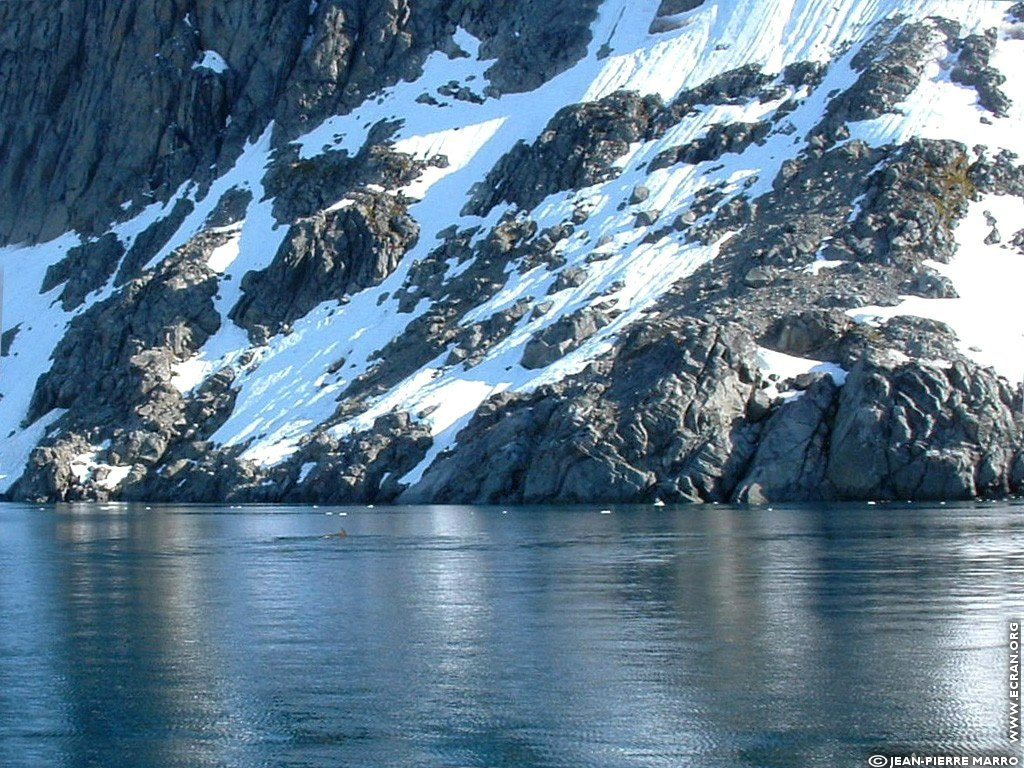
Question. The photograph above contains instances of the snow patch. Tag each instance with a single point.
(212, 61)
(457, 145)
(223, 256)
(86, 467)
(188, 375)
(778, 367)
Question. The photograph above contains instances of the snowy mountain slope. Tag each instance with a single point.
(685, 266)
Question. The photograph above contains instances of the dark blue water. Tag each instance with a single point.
(444, 636)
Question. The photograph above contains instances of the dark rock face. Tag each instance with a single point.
(7, 339)
(363, 468)
(325, 257)
(792, 456)
(736, 86)
(810, 333)
(151, 240)
(301, 188)
(912, 205)
(563, 336)
(532, 40)
(73, 73)
(678, 413)
(674, 7)
(665, 20)
(359, 46)
(720, 140)
(890, 71)
(108, 358)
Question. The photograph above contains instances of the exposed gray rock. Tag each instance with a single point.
(674, 7)
(112, 372)
(720, 139)
(137, 446)
(973, 69)
(301, 188)
(930, 286)
(647, 218)
(534, 44)
(909, 431)
(230, 209)
(792, 454)
(668, 15)
(576, 149)
(105, 63)
(661, 418)
(639, 195)
(364, 467)
(475, 340)
(758, 277)
(736, 86)
(7, 340)
(1018, 241)
(151, 240)
(74, 81)
(890, 72)
(85, 269)
(1002, 174)
(49, 472)
(107, 361)
(810, 333)
(326, 257)
(562, 337)
(429, 335)
(571, 277)
(912, 204)
(804, 73)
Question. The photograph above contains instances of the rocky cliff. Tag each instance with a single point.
(460, 251)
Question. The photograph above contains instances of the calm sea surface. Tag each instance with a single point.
(461, 636)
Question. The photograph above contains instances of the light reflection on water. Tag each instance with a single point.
(445, 636)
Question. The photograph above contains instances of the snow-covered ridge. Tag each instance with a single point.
(290, 386)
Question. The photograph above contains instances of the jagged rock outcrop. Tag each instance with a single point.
(301, 188)
(77, 78)
(112, 372)
(327, 256)
(576, 149)
(662, 418)
(720, 139)
(363, 467)
(911, 431)
(118, 351)
(85, 269)
(973, 69)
